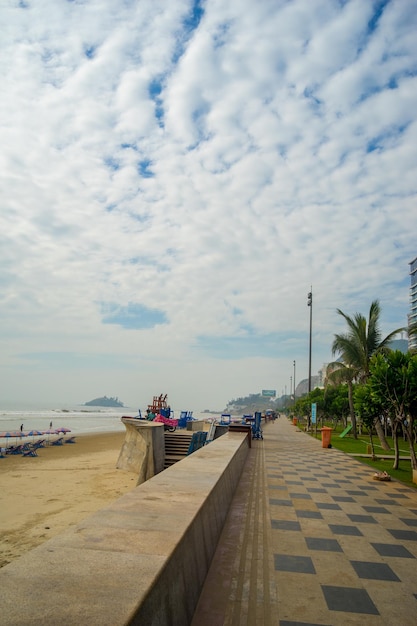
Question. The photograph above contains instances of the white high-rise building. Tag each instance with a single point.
(412, 316)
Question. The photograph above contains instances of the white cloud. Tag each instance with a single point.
(210, 171)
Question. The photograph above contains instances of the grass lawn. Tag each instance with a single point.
(360, 446)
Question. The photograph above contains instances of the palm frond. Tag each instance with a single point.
(338, 373)
(362, 341)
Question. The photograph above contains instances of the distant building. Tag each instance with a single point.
(412, 316)
(302, 387)
(316, 381)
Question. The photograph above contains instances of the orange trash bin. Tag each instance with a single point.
(294, 421)
(326, 437)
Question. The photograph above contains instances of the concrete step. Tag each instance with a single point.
(176, 446)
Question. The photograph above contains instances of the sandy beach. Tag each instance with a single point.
(42, 496)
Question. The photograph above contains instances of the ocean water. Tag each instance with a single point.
(79, 419)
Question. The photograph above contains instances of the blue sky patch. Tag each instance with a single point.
(391, 135)
(193, 19)
(133, 316)
(144, 168)
(147, 262)
(190, 23)
(155, 90)
(220, 37)
(112, 163)
(90, 52)
(159, 114)
(379, 9)
(373, 145)
(271, 345)
(140, 260)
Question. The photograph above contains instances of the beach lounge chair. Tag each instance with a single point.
(58, 442)
(185, 416)
(226, 419)
(14, 450)
(182, 421)
(39, 444)
(29, 452)
(69, 440)
(198, 440)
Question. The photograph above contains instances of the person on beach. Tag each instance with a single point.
(21, 428)
(50, 425)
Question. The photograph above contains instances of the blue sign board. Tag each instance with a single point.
(313, 413)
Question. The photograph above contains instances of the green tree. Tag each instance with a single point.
(367, 407)
(393, 383)
(302, 407)
(336, 404)
(355, 349)
(338, 374)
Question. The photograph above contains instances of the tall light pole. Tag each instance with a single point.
(310, 304)
(290, 388)
(294, 380)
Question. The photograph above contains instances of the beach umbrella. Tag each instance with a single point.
(11, 433)
(63, 430)
(34, 433)
(6, 434)
(50, 431)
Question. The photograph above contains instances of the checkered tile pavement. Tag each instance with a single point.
(312, 540)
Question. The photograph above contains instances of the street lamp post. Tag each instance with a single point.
(294, 380)
(310, 304)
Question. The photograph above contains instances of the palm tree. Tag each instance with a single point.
(355, 349)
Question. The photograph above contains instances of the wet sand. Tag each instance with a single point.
(42, 496)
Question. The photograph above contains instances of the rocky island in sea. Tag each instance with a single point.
(105, 401)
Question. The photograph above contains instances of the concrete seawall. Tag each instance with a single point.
(142, 560)
(143, 451)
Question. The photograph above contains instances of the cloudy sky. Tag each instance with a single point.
(176, 175)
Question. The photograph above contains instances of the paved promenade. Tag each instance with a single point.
(312, 539)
